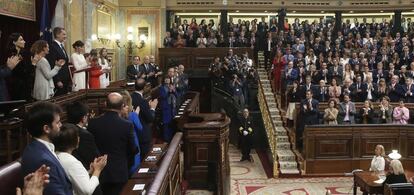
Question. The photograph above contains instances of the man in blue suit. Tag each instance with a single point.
(43, 124)
(291, 74)
(147, 115)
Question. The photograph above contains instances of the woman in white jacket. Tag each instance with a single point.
(79, 62)
(43, 87)
(378, 162)
(65, 142)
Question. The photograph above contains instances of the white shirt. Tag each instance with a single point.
(346, 112)
(377, 164)
(79, 177)
(48, 145)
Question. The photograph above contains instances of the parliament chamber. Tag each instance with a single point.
(224, 97)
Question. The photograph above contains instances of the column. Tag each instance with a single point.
(281, 18)
(338, 21)
(397, 21)
(168, 20)
(223, 24)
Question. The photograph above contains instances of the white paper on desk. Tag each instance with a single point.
(177, 116)
(143, 170)
(379, 181)
(180, 112)
(130, 83)
(138, 187)
(181, 109)
(156, 149)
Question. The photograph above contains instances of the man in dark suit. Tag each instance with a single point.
(359, 90)
(133, 69)
(322, 92)
(147, 70)
(408, 90)
(308, 86)
(63, 80)
(395, 90)
(114, 136)
(309, 108)
(43, 124)
(154, 80)
(77, 114)
(147, 115)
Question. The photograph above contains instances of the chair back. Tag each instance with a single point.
(11, 177)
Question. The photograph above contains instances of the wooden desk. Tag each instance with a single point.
(13, 140)
(152, 165)
(365, 180)
(129, 186)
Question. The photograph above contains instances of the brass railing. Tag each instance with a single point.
(270, 128)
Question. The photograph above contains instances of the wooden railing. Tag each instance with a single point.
(169, 175)
(270, 128)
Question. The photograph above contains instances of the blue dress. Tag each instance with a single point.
(134, 118)
(168, 102)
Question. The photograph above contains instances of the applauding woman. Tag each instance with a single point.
(401, 114)
(378, 162)
(43, 86)
(65, 142)
(331, 113)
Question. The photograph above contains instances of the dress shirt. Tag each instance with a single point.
(346, 112)
(377, 164)
(269, 45)
(48, 145)
(78, 175)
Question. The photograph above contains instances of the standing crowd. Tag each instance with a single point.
(48, 70)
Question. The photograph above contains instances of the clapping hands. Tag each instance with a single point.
(60, 62)
(35, 182)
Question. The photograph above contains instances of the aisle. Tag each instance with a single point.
(249, 178)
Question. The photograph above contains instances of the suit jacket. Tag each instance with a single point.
(395, 93)
(342, 112)
(359, 96)
(4, 72)
(320, 95)
(55, 54)
(408, 93)
(87, 150)
(146, 115)
(114, 136)
(132, 73)
(310, 116)
(37, 154)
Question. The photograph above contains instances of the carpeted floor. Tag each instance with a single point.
(249, 178)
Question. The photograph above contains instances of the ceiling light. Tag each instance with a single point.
(266, 11)
(237, 11)
(322, 12)
(381, 11)
(294, 11)
(351, 11)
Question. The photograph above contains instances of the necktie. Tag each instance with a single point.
(63, 49)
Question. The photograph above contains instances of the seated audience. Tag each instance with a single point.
(114, 136)
(331, 113)
(401, 114)
(378, 162)
(65, 142)
(43, 122)
(366, 113)
(44, 88)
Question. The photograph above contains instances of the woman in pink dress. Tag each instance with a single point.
(401, 114)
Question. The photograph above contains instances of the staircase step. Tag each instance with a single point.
(289, 171)
(288, 165)
(283, 146)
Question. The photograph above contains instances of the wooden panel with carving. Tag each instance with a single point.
(350, 147)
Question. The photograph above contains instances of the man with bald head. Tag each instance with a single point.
(114, 136)
(146, 70)
(154, 78)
